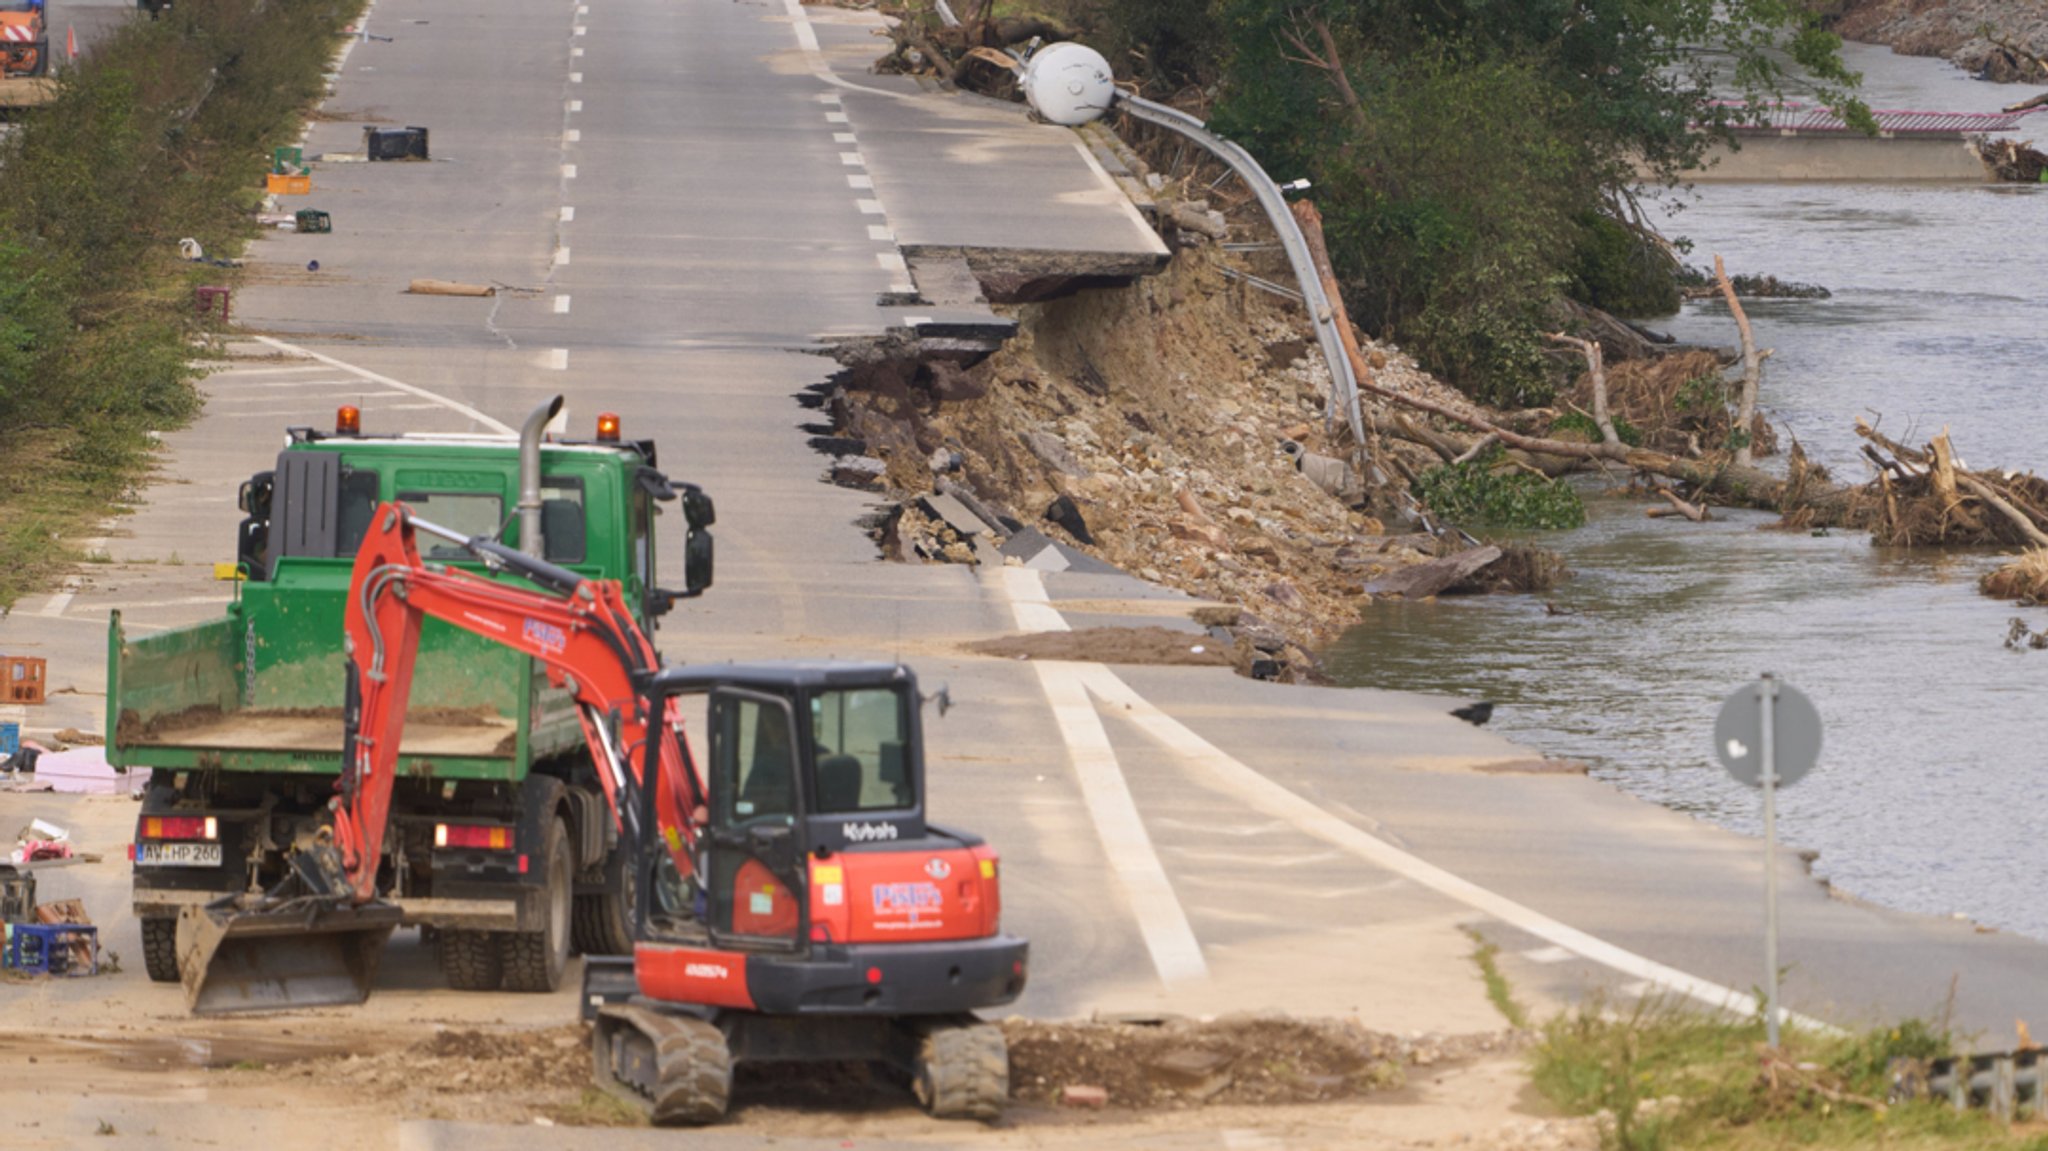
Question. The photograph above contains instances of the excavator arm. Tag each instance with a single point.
(315, 938)
(580, 629)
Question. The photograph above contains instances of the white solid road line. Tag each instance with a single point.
(1256, 793)
(1260, 794)
(1161, 921)
(1176, 954)
(387, 381)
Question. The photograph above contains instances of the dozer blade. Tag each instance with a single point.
(299, 953)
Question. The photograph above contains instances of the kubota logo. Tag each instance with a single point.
(706, 971)
(867, 832)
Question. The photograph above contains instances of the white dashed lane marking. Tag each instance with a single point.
(861, 183)
(561, 305)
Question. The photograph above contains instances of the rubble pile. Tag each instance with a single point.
(1173, 428)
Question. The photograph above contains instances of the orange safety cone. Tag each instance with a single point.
(71, 41)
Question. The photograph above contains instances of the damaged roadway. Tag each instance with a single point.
(1176, 839)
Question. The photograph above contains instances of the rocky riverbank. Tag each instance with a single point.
(2002, 40)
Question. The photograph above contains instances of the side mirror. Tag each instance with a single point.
(696, 563)
(698, 511)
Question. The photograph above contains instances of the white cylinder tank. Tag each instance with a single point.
(1069, 84)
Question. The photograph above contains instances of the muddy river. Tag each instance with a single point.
(1930, 794)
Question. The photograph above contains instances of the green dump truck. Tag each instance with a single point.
(240, 718)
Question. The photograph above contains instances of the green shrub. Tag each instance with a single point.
(1618, 269)
(162, 131)
(1479, 493)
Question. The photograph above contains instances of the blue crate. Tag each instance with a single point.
(45, 949)
(10, 738)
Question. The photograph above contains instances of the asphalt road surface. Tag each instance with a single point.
(686, 199)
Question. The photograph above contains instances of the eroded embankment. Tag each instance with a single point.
(1173, 428)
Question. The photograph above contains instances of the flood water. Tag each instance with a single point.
(1930, 794)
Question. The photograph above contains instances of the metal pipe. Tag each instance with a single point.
(1275, 205)
(529, 476)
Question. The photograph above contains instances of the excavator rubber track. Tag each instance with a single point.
(675, 1068)
(270, 956)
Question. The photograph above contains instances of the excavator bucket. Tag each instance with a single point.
(298, 953)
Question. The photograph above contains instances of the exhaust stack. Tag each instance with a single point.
(530, 540)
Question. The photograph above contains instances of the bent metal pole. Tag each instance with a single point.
(1275, 205)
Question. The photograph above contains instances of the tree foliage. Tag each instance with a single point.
(1475, 158)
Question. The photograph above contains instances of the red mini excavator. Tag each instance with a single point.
(792, 903)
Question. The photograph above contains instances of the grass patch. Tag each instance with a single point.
(596, 1107)
(1498, 991)
(163, 131)
(1661, 1075)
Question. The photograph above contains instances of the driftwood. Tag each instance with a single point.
(1752, 364)
(1951, 490)
(1679, 506)
(1597, 372)
(1420, 581)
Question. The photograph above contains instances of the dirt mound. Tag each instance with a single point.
(1141, 645)
(537, 1067)
(1233, 1060)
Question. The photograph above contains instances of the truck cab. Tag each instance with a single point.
(240, 717)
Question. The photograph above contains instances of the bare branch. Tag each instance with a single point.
(1752, 364)
(1597, 369)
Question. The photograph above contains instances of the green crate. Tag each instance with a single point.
(313, 220)
(287, 161)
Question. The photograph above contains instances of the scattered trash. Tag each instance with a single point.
(17, 895)
(395, 143)
(1078, 1095)
(41, 840)
(205, 296)
(85, 771)
(22, 679)
(449, 288)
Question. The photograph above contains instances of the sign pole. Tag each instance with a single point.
(1768, 690)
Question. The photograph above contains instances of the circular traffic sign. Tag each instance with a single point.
(1739, 733)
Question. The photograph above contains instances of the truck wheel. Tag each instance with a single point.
(604, 921)
(469, 959)
(963, 1072)
(160, 948)
(42, 67)
(534, 959)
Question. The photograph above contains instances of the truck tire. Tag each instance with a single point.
(534, 960)
(42, 67)
(604, 921)
(469, 959)
(963, 1072)
(160, 948)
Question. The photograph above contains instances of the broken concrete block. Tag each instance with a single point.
(1198, 1074)
(1053, 452)
(954, 514)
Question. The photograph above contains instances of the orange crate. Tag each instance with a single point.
(21, 679)
(289, 185)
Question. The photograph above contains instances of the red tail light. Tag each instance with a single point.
(180, 827)
(476, 835)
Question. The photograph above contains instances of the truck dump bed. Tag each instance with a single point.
(468, 735)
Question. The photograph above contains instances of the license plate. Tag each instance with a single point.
(180, 854)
